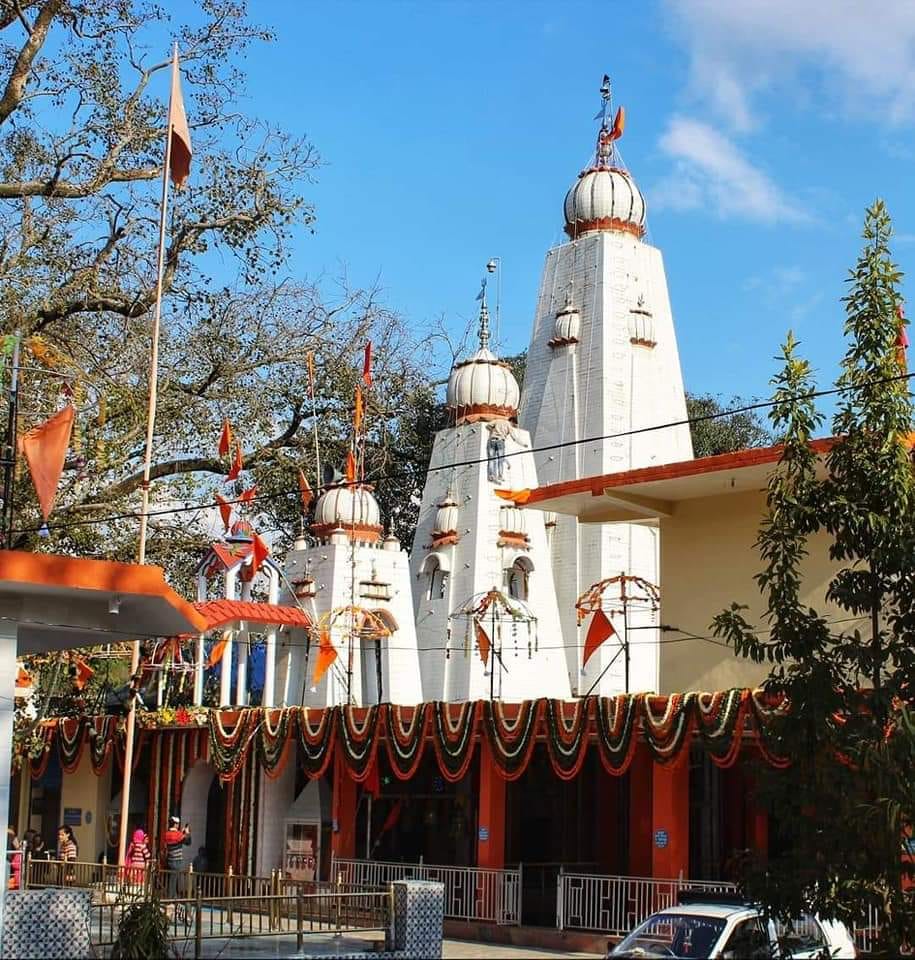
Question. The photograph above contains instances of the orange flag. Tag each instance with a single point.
(218, 649)
(326, 656)
(367, 365)
(84, 673)
(601, 629)
(350, 467)
(483, 644)
(358, 410)
(259, 554)
(225, 510)
(45, 449)
(310, 365)
(304, 491)
(237, 464)
(225, 439)
(248, 495)
(179, 164)
(619, 124)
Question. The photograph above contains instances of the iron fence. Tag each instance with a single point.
(471, 893)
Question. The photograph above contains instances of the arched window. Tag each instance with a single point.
(436, 573)
(517, 578)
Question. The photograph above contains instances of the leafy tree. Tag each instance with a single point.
(844, 805)
(714, 431)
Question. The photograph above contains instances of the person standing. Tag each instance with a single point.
(138, 857)
(67, 852)
(15, 858)
(175, 839)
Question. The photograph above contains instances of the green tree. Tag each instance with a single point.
(843, 806)
(713, 430)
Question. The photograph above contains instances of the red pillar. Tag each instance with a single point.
(491, 812)
(343, 837)
(640, 778)
(670, 818)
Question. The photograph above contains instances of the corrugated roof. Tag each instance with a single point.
(220, 612)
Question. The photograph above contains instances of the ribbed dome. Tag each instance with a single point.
(568, 325)
(483, 388)
(512, 520)
(446, 517)
(352, 508)
(604, 198)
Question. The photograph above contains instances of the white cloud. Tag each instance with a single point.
(711, 172)
(852, 56)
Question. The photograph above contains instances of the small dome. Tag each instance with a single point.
(446, 517)
(483, 388)
(391, 542)
(604, 198)
(350, 509)
(568, 325)
(512, 520)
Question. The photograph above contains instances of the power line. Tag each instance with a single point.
(394, 475)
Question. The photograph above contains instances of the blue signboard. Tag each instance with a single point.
(661, 839)
(73, 816)
(484, 833)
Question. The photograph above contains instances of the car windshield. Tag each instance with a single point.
(672, 935)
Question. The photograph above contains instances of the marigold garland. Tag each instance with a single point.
(616, 721)
(567, 741)
(405, 743)
(316, 743)
(511, 742)
(454, 742)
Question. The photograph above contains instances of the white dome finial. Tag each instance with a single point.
(484, 316)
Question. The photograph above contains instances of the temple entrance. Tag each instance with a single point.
(203, 807)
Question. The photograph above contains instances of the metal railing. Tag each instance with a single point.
(616, 904)
(471, 893)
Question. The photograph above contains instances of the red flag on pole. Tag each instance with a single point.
(84, 673)
(237, 464)
(225, 439)
(367, 365)
(225, 510)
(179, 165)
(601, 629)
(350, 467)
(483, 644)
(246, 496)
(259, 554)
(619, 124)
(218, 649)
(45, 449)
(326, 657)
(358, 410)
(304, 491)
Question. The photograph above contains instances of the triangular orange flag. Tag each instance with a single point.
(225, 510)
(225, 439)
(350, 467)
(218, 649)
(259, 553)
(45, 449)
(304, 491)
(483, 644)
(84, 673)
(358, 410)
(601, 629)
(326, 656)
(179, 164)
(248, 495)
(367, 365)
(619, 124)
(237, 465)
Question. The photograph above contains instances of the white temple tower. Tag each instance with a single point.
(601, 367)
(351, 580)
(470, 543)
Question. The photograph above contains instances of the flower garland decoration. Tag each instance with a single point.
(101, 733)
(38, 749)
(316, 743)
(454, 740)
(511, 742)
(405, 742)
(229, 748)
(766, 719)
(567, 739)
(720, 722)
(665, 734)
(616, 722)
(70, 743)
(359, 743)
(273, 741)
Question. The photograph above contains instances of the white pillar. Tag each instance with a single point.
(198, 672)
(8, 683)
(225, 678)
(241, 680)
(273, 596)
(201, 587)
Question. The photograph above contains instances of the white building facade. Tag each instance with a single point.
(603, 373)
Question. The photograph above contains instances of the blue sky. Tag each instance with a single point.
(757, 130)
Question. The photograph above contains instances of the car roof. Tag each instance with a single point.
(721, 911)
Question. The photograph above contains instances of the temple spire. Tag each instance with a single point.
(604, 153)
(484, 317)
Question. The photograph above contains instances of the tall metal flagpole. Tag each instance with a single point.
(147, 466)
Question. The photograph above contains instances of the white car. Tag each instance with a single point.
(727, 929)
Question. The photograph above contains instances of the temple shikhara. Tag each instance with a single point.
(527, 695)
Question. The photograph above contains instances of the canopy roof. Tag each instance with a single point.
(63, 602)
(218, 613)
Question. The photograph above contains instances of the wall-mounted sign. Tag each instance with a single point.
(73, 816)
(88, 817)
(484, 833)
(661, 839)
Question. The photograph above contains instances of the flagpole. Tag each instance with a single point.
(147, 467)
